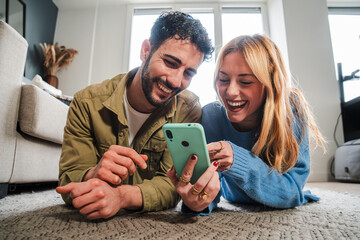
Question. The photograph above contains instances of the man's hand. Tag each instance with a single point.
(116, 164)
(94, 198)
(97, 199)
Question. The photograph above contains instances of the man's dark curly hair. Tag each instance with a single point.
(182, 26)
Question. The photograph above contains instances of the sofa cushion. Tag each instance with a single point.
(41, 115)
(13, 48)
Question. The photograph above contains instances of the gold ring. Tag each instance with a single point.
(218, 150)
(194, 191)
(203, 195)
(183, 181)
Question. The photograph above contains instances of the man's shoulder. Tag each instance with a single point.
(102, 89)
(188, 97)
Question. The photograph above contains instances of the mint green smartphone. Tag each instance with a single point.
(183, 140)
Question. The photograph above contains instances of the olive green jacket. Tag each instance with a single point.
(96, 120)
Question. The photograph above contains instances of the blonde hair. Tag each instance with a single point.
(277, 144)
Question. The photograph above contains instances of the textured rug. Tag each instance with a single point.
(42, 215)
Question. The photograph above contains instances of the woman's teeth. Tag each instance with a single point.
(163, 88)
(236, 104)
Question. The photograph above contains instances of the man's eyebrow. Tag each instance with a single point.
(179, 62)
(174, 58)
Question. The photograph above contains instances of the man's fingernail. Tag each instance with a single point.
(216, 163)
(117, 180)
(193, 157)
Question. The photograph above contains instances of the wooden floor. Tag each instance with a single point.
(352, 188)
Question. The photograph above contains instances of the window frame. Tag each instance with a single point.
(216, 8)
(342, 9)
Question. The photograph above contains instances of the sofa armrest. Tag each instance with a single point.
(41, 115)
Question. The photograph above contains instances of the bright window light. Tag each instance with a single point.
(202, 82)
(141, 27)
(345, 38)
(240, 23)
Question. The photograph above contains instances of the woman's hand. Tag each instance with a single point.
(221, 152)
(198, 196)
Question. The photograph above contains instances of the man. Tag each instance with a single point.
(114, 153)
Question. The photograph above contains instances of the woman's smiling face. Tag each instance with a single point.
(240, 91)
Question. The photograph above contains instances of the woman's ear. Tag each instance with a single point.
(145, 50)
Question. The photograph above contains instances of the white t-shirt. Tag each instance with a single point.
(134, 118)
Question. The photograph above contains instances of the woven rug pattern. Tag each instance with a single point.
(42, 215)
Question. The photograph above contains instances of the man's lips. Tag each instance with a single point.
(164, 88)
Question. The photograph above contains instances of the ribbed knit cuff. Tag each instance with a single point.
(240, 167)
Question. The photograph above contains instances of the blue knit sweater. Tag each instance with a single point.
(249, 179)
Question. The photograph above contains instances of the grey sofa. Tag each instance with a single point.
(32, 121)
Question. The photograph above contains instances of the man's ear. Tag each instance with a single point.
(145, 50)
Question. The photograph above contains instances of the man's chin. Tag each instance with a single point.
(161, 102)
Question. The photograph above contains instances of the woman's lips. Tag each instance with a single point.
(236, 105)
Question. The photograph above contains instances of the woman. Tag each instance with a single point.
(259, 134)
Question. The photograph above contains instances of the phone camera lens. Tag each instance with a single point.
(185, 143)
(169, 134)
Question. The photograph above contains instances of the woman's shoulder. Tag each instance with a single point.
(214, 114)
(212, 111)
(213, 107)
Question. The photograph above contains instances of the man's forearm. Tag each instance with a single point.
(89, 174)
(131, 197)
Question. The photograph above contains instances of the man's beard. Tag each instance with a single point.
(148, 85)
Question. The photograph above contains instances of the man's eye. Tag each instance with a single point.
(170, 63)
(189, 74)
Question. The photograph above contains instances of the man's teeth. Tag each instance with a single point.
(165, 89)
(236, 104)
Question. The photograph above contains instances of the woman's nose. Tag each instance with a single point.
(233, 89)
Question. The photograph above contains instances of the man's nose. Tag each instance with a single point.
(174, 79)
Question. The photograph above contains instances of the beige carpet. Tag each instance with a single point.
(42, 215)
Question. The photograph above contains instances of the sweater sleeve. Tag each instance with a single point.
(249, 175)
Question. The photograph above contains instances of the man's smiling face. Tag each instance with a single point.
(169, 70)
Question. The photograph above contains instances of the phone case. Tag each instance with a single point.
(183, 140)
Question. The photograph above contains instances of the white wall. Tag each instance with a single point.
(300, 28)
(97, 32)
(311, 62)
(75, 29)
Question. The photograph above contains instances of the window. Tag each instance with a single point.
(345, 37)
(235, 17)
(229, 27)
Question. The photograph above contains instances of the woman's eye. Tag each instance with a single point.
(246, 83)
(223, 80)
